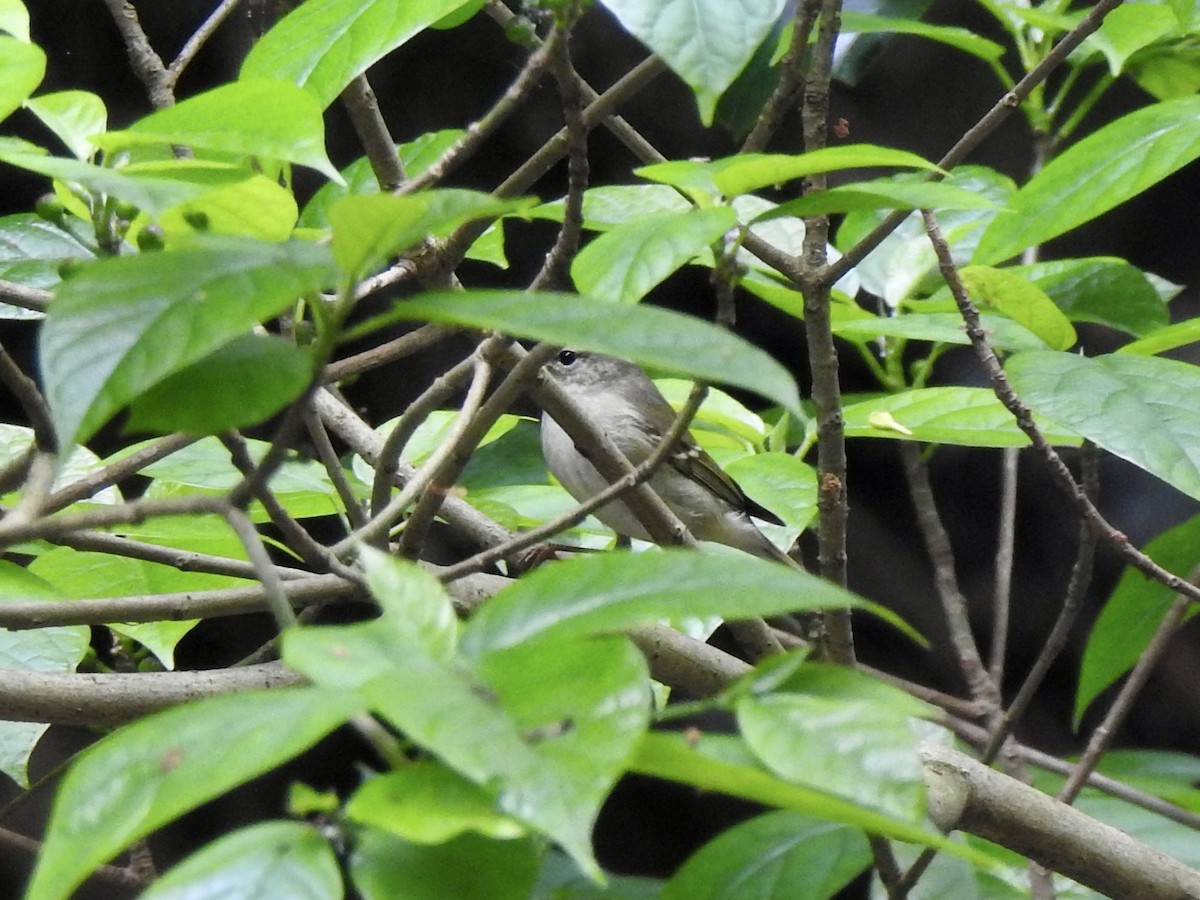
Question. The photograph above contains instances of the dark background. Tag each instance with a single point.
(915, 95)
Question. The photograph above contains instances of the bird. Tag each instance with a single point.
(628, 408)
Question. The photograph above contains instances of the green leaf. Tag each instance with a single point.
(1102, 171)
(1016, 298)
(750, 171)
(1127, 29)
(413, 600)
(239, 203)
(121, 326)
(939, 328)
(22, 67)
(1178, 335)
(1104, 290)
(705, 42)
(969, 417)
(1172, 776)
(267, 861)
(882, 195)
(359, 178)
(324, 44)
(582, 732)
(854, 22)
(713, 763)
(773, 856)
(426, 803)
(624, 264)
(370, 228)
(648, 336)
(79, 574)
(73, 116)
(56, 649)
(14, 19)
(240, 384)
(551, 746)
(163, 185)
(780, 482)
(609, 205)
(469, 867)
(612, 592)
(1132, 614)
(153, 771)
(842, 733)
(302, 486)
(1143, 409)
(904, 265)
(31, 252)
(259, 118)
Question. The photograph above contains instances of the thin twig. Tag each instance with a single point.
(30, 397)
(117, 471)
(198, 39)
(406, 426)
(1003, 568)
(319, 437)
(555, 271)
(941, 556)
(273, 586)
(398, 348)
(31, 298)
(1081, 578)
(791, 70)
(134, 511)
(479, 131)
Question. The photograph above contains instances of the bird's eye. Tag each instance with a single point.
(567, 357)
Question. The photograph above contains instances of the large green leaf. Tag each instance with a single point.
(120, 326)
(31, 252)
(774, 856)
(240, 384)
(841, 732)
(323, 44)
(152, 193)
(882, 195)
(149, 773)
(502, 724)
(74, 116)
(1100, 172)
(22, 66)
(706, 42)
(267, 861)
(937, 327)
(1021, 301)
(1105, 290)
(645, 335)
(623, 264)
(369, 228)
(468, 867)
(1132, 614)
(970, 417)
(260, 118)
(747, 172)
(1143, 409)
(855, 22)
(57, 649)
(604, 593)
(718, 763)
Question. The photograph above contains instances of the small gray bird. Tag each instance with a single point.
(624, 403)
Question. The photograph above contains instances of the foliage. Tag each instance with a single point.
(186, 289)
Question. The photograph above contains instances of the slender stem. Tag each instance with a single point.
(1005, 544)
(954, 604)
(146, 63)
(198, 39)
(791, 70)
(276, 593)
